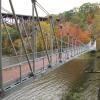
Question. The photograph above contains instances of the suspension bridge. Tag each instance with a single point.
(17, 68)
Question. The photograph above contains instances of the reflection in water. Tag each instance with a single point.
(55, 84)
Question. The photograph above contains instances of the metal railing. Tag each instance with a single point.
(12, 60)
(41, 64)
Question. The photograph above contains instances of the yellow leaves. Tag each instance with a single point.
(97, 16)
(98, 27)
(45, 27)
(17, 43)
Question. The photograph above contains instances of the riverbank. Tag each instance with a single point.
(87, 88)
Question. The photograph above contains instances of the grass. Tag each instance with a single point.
(77, 93)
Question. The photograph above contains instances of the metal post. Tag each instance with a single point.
(36, 44)
(72, 46)
(51, 40)
(68, 47)
(43, 63)
(54, 33)
(76, 45)
(61, 43)
(33, 33)
(79, 47)
(42, 34)
(18, 28)
(56, 58)
(13, 47)
(1, 80)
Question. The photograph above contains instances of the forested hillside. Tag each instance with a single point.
(87, 18)
(83, 22)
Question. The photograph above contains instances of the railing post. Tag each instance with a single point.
(56, 57)
(43, 63)
(1, 80)
(68, 47)
(75, 48)
(61, 43)
(51, 38)
(61, 29)
(72, 46)
(33, 33)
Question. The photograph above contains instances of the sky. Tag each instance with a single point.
(52, 6)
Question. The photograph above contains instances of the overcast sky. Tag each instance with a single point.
(52, 6)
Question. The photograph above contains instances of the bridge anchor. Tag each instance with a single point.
(49, 66)
(31, 75)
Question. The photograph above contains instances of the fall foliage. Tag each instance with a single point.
(89, 19)
(81, 23)
(74, 31)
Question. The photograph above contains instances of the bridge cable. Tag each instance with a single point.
(22, 26)
(11, 5)
(42, 34)
(12, 45)
(42, 8)
(51, 21)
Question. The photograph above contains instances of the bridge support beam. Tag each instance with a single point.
(33, 34)
(1, 80)
(68, 46)
(51, 38)
(21, 36)
(42, 35)
(61, 36)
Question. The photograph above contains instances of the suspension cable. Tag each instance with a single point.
(12, 45)
(22, 26)
(20, 35)
(21, 38)
(42, 8)
(42, 35)
(5, 10)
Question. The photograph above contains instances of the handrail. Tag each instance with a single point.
(37, 59)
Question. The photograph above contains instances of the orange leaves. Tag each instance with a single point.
(68, 28)
(84, 37)
(74, 31)
(89, 19)
(58, 33)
